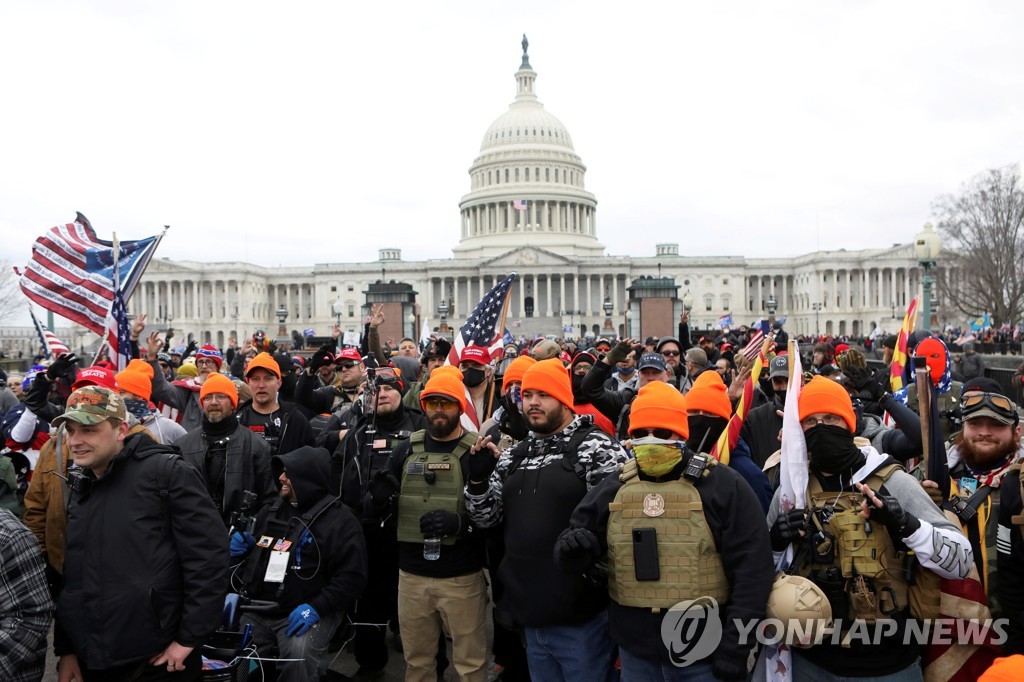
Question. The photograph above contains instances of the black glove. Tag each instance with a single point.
(726, 667)
(481, 464)
(321, 358)
(60, 366)
(787, 527)
(382, 488)
(576, 550)
(189, 349)
(37, 395)
(897, 520)
(512, 420)
(618, 353)
(440, 523)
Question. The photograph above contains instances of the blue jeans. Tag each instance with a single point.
(635, 669)
(805, 671)
(572, 653)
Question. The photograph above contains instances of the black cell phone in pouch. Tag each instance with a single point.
(645, 554)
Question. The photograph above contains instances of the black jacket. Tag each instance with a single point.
(761, 429)
(319, 399)
(295, 431)
(247, 465)
(146, 562)
(330, 573)
(608, 402)
(741, 538)
(354, 458)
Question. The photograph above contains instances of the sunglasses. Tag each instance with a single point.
(670, 353)
(439, 404)
(1000, 404)
(663, 434)
(347, 365)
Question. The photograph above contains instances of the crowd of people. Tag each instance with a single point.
(574, 493)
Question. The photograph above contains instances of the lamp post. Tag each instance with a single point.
(608, 307)
(629, 322)
(927, 246)
(282, 330)
(442, 310)
(412, 325)
(337, 307)
(772, 305)
(817, 322)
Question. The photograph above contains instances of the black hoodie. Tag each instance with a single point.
(329, 572)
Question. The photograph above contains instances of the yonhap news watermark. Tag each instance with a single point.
(692, 630)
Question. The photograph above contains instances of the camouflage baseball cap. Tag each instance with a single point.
(91, 405)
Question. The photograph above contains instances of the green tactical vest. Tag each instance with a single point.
(873, 572)
(688, 561)
(418, 496)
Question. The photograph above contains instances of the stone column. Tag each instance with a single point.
(551, 310)
(590, 294)
(615, 296)
(576, 292)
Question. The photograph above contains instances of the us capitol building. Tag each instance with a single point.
(528, 210)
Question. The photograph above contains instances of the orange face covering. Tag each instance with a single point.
(935, 353)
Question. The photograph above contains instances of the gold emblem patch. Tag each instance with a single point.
(439, 466)
(654, 505)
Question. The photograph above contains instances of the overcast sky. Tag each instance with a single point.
(310, 132)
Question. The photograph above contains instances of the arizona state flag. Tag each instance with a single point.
(899, 355)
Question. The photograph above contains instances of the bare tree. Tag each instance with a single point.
(11, 298)
(984, 228)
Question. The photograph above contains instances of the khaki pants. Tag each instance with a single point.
(461, 603)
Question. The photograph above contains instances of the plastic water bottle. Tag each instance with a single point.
(432, 549)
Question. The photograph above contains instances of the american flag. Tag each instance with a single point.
(752, 348)
(118, 333)
(519, 204)
(52, 346)
(483, 328)
(72, 272)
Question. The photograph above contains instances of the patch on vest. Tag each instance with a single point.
(432, 466)
(654, 504)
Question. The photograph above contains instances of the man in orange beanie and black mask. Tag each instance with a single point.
(864, 514)
(532, 488)
(641, 521)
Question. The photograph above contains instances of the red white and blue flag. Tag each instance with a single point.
(484, 328)
(71, 272)
(52, 346)
(754, 346)
(519, 204)
(118, 332)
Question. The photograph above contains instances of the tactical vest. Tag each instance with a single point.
(431, 480)
(853, 560)
(688, 561)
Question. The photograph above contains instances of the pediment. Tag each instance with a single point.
(527, 256)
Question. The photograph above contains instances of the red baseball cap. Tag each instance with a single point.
(350, 354)
(95, 376)
(477, 354)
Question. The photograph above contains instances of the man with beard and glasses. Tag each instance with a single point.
(360, 458)
(440, 552)
(864, 514)
(532, 489)
(708, 411)
(182, 396)
(231, 459)
(721, 552)
(979, 463)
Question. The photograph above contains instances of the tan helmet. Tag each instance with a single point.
(801, 607)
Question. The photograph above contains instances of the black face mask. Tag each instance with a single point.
(781, 395)
(830, 450)
(577, 383)
(704, 431)
(473, 377)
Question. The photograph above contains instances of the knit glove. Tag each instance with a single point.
(440, 523)
(60, 366)
(301, 620)
(241, 543)
(576, 550)
(619, 352)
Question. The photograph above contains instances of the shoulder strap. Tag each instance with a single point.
(518, 454)
(416, 438)
(571, 452)
(467, 441)
(629, 470)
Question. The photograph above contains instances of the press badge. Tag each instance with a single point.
(968, 485)
(265, 541)
(276, 567)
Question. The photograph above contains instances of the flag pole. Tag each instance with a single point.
(501, 327)
(149, 257)
(116, 251)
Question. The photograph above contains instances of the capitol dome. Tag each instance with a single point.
(527, 184)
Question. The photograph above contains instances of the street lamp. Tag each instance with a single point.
(412, 325)
(817, 323)
(608, 307)
(687, 301)
(282, 330)
(772, 305)
(927, 246)
(442, 310)
(629, 322)
(337, 307)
